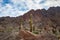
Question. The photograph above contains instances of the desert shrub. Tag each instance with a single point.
(9, 29)
(35, 32)
(1, 30)
(26, 29)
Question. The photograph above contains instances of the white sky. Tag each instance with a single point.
(18, 7)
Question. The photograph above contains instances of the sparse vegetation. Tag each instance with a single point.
(35, 32)
(32, 23)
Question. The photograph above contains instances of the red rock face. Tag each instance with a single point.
(30, 36)
(26, 35)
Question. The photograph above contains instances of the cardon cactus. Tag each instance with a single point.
(31, 23)
(21, 24)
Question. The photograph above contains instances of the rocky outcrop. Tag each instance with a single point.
(26, 35)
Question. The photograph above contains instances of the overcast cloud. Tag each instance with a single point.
(15, 8)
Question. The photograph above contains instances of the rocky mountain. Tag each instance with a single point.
(41, 19)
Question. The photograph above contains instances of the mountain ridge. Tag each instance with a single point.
(51, 13)
(43, 21)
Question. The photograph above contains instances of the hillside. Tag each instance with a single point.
(47, 20)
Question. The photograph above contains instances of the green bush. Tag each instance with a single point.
(9, 29)
(35, 32)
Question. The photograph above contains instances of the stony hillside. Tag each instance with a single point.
(47, 20)
(39, 17)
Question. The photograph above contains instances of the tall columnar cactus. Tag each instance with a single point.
(21, 24)
(31, 23)
(33, 28)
